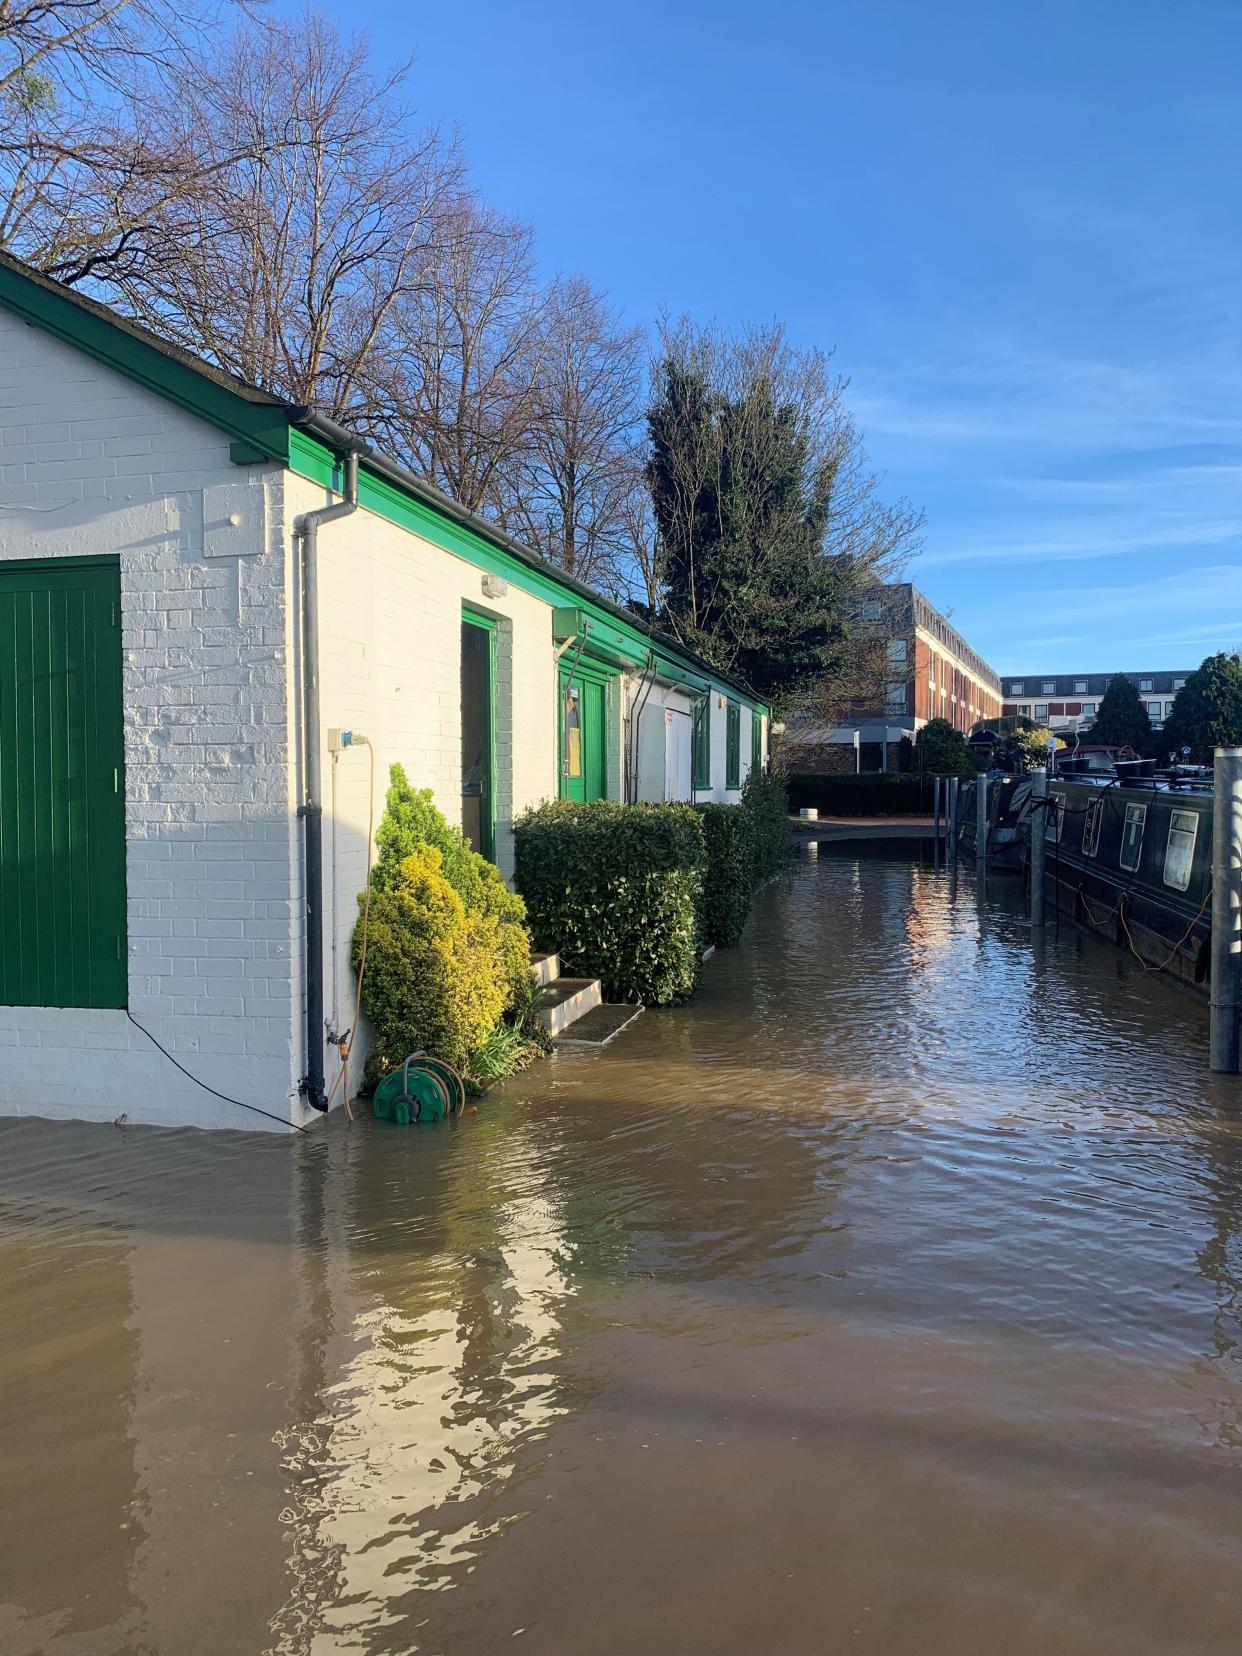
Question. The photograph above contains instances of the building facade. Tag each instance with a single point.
(922, 669)
(1069, 702)
(166, 701)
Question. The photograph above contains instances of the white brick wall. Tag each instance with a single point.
(390, 651)
(91, 463)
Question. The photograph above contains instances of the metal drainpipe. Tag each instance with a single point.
(306, 530)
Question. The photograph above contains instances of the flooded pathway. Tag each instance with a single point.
(885, 1300)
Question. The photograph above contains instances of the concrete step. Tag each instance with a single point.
(546, 968)
(564, 1001)
(597, 1027)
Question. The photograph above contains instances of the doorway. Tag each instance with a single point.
(583, 733)
(478, 724)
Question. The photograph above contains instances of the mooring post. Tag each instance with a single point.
(954, 783)
(1226, 910)
(1039, 844)
(936, 819)
(981, 824)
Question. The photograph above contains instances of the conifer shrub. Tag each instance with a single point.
(435, 977)
(765, 803)
(614, 890)
(728, 876)
(411, 819)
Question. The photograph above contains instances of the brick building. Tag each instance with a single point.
(1070, 701)
(923, 669)
(167, 752)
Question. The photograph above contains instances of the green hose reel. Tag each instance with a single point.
(423, 1089)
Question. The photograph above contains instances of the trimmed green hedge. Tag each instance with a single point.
(729, 875)
(615, 890)
(766, 804)
(888, 794)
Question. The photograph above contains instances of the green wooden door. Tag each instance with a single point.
(62, 786)
(584, 727)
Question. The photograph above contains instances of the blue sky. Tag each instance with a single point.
(1018, 224)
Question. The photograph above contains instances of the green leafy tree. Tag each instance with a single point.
(939, 750)
(1024, 749)
(766, 521)
(1122, 719)
(1207, 710)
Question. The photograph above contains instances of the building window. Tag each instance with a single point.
(1091, 828)
(1132, 836)
(871, 610)
(896, 649)
(1179, 852)
(1088, 710)
(1168, 710)
(703, 742)
(1145, 684)
(1041, 710)
(1153, 710)
(1080, 687)
(1049, 687)
(894, 698)
(733, 747)
(1025, 711)
(1179, 684)
(1016, 689)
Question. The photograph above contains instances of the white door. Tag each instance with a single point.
(677, 746)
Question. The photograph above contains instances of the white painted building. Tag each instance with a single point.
(155, 703)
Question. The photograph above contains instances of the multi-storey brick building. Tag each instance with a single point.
(922, 668)
(1070, 701)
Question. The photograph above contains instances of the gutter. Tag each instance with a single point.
(306, 535)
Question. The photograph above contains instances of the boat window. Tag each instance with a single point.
(1055, 814)
(1091, 828)
(1179, 853)
(1132, 836)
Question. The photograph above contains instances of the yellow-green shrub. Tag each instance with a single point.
(410, 820)
(435, 978)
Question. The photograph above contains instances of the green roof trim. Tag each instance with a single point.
(259, 421)
(265, 429)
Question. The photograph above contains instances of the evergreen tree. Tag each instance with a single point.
(1122, 719)
(939, 750)
(1207, 710)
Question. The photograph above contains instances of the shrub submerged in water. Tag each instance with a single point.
(729, 875)
(614, 890)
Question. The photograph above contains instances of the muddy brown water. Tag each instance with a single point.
(884, 1300)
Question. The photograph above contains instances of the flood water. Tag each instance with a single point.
(884, 1300)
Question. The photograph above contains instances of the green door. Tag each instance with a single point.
(478, 734)
(62, 788)
(583, 734)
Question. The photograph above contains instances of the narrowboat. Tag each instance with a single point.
(1130, 857)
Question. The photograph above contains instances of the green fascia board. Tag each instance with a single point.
(261, 424)
(312, 459)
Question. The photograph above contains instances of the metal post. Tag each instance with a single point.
(953, 783)
(981, 824)
(936, 819)
(1039, 844)
(1226, 910)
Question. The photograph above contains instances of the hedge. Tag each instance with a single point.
(729, 875)
(766, 804)
(615, 890)
(878, 795)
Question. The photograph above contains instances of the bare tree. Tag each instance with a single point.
(455, 397)
(570, 485)
(319, 210)
(81, 179)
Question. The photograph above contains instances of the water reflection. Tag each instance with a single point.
(886, 1297)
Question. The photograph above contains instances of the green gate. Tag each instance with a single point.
(62, 786)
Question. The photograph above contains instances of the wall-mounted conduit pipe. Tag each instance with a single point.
(306, 533)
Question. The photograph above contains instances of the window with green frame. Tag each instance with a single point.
(756, 740)
(733, 747)
(703, 742)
